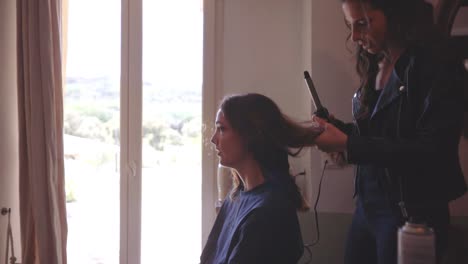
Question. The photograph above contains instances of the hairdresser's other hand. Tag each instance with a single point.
(331, 139)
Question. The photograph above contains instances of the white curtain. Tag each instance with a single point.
(40, 108)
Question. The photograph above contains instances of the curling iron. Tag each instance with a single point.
(320, 110)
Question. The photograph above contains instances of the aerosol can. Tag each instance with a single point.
(416, 244)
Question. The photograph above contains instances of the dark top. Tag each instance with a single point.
(259, 226)
(369, 176)
(414, 130)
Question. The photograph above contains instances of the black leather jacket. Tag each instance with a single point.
(419, 123)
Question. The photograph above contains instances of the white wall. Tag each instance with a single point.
(9, 124)
(265, 50)
(333, 72)
(460, 25)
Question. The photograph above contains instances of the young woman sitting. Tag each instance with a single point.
(258, 222)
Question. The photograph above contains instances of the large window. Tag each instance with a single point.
(134, 67)
(172, 81)
(91, 127)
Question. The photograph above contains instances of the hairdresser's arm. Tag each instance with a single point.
(436, 135)
(347, 128)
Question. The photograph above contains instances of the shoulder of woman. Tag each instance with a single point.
(270, 214)
(440, 51)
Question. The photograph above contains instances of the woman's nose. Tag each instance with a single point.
(213, 139)
(355, 35)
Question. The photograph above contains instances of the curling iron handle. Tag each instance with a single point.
(323, 113)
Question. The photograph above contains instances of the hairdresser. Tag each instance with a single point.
(407, 124)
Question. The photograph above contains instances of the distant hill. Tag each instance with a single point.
(106, 89)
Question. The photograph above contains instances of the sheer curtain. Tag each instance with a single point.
(40, 108)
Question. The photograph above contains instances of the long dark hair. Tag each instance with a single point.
(410, 23)
(270, 136)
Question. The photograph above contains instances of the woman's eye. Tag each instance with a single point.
(362, 24)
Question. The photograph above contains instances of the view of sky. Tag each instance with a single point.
(168, 61)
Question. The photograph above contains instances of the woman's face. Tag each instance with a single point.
(368, 26)
(230, 147)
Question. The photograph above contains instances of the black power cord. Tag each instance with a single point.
(308, 247)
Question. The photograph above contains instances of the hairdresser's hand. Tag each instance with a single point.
(331, 139)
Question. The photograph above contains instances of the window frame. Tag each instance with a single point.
(131, 121)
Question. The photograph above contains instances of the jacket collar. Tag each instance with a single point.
(397, 83)
(390, 92)
(404, 61)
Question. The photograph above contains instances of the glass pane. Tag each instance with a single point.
(172, 81)
(91, 127)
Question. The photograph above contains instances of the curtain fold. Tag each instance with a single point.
(40, 108)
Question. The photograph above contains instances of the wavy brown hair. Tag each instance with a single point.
(270, 136)
(410, 23)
